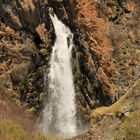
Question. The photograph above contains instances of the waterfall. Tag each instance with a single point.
(59, 112)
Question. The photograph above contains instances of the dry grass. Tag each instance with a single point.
(16, 123)
(10, 130)
(130, 128)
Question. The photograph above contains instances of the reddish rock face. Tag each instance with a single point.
(105, 26)
(84, 16)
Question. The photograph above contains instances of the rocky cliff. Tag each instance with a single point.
(105, 58)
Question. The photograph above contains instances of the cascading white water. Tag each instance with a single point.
(59, 112)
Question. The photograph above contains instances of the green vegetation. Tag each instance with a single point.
(126, 48)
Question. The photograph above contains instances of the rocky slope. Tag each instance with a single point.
(105, 59)
(117, 122)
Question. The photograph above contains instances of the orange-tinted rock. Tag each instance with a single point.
(42, 32)
(93, 28)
